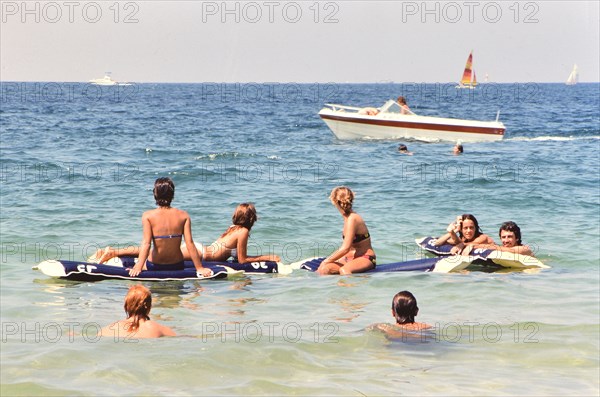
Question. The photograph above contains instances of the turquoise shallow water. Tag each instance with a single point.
(77, 173)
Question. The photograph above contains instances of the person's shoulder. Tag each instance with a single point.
(152, 329)
(355, 217)
(181, 213)
(241, 231)
(523, 250)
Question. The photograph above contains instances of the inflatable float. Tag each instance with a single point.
(118, 268)
(437, 265)
(485, 257)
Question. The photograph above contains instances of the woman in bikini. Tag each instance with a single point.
(232, 243)
(468, 231)
(163, 229)
(355, 255)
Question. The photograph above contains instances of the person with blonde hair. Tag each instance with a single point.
(355, 255)
(234, 241)
(138, 303)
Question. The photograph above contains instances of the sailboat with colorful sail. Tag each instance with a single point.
(573, 77)
(469, 79)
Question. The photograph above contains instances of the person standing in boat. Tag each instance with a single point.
(404, 109)
(138, 303)
(464, 231)
(356, 254)
(163, 228)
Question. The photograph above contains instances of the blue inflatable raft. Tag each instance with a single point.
(118, 268)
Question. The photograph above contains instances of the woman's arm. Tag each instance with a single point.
(144, 246)
(450, 237)
(349, 233)
(191, 248)
(242, 249)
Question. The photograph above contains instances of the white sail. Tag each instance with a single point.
(573, 77)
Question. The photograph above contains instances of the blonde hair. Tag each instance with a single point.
(243, 216)
(342, 197)
(138, 303)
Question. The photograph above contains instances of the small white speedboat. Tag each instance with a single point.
(389, 122)
(106, 80)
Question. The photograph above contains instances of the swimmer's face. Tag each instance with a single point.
(508, 238)
(468, 229)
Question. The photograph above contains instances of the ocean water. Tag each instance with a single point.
(77, 168)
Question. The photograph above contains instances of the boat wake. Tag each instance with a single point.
(554, 138)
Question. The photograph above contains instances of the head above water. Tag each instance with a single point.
(404, 307)
(469, 228)
(342, 197)
(513, 228)
(458, 149)
(164, 191)
(138, 303)
(402, 148)
(244, 215)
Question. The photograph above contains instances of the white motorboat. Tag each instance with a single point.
(389, 122)
(106, 80)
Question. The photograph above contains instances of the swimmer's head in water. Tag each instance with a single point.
(404, 307)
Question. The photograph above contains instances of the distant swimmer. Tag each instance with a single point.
(403, 149)
(510, 236)
(464, 231)
(458, 149)
(356, 254)
(138, 303)
(404, 310)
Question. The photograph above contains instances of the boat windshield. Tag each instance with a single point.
(392, 106)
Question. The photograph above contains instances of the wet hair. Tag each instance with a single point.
(164, 190)
(404, 307)
(510, 226)
(478, 231)
(402, 148)
(401, 100)
(342, 197)
(138, 303)
(243, 216)
(460, 148)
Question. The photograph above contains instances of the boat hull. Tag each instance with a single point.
(355, 126)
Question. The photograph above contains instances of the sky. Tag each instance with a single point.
(298, 41)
